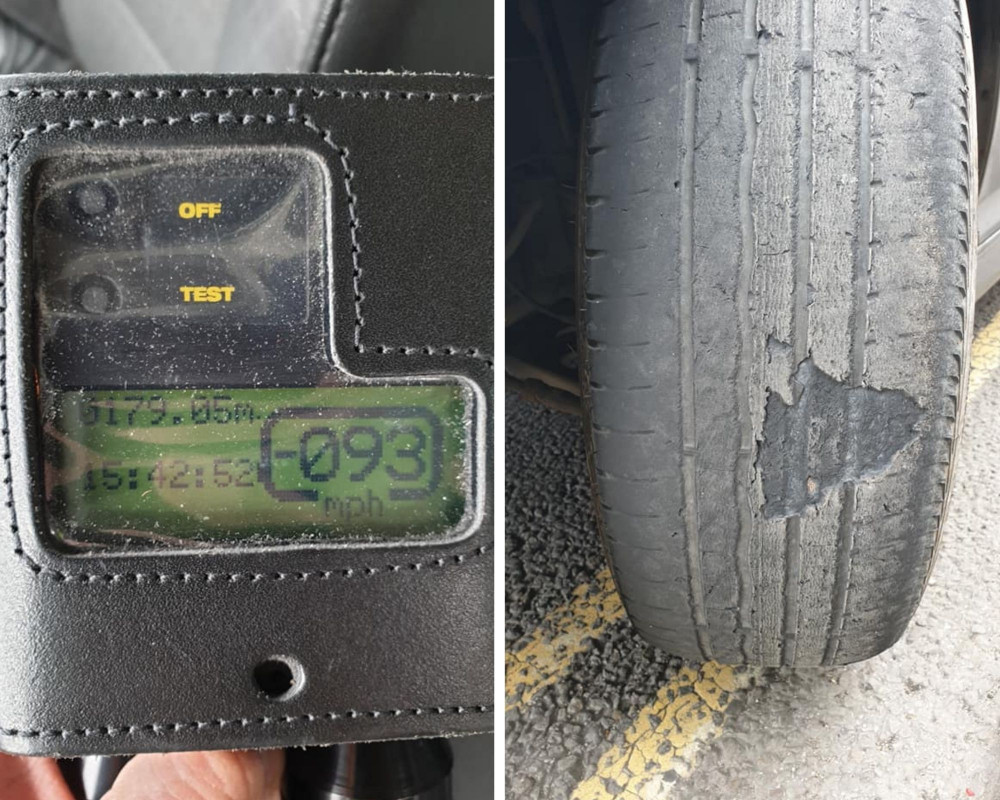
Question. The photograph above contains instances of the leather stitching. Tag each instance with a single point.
(155, 578)
(245, 722)
(229, 92)
(225, 118)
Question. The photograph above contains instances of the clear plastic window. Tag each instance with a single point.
(187, 391)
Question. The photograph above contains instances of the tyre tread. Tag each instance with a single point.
(701, 572)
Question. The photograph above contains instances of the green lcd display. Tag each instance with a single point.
(175, 466)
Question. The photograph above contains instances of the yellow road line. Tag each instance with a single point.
(539, 660)
(985, 354)
(662, 744)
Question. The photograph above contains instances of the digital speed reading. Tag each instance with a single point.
(345, 462)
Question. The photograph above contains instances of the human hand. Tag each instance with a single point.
(173, 776)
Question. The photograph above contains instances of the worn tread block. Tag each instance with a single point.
(779, 208)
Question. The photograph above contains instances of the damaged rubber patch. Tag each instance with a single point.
(831, 434)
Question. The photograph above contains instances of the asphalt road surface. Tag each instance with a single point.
(594, 713)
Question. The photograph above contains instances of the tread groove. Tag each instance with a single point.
(744, 579)
(689, 457)
(800, 311)
(859, 324)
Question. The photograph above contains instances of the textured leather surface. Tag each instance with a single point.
(154, 652)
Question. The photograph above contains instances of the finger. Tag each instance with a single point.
(201, 776)
(32, 779)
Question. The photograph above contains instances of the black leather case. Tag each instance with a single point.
(154, 652)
